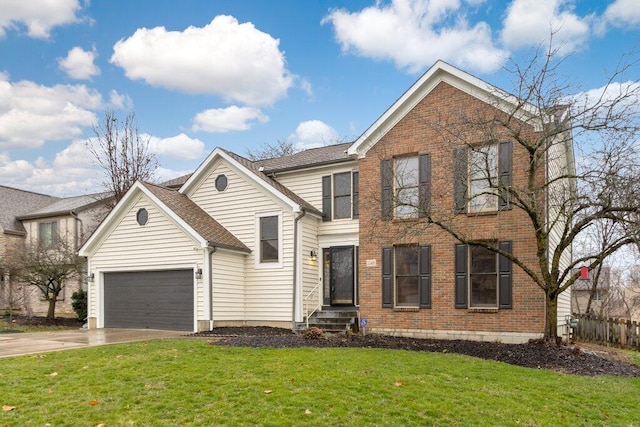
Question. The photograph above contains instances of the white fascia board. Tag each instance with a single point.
(198, 175)
(123, 207)
(439, 72)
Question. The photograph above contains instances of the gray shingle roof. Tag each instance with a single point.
(17, 202)
(197, 218)
(66, 205)
(176, 182)
(253, 167)
(311, 157)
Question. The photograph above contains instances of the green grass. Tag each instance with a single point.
(188, 382)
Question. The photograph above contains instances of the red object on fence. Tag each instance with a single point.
(584, 273)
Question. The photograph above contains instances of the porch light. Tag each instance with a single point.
(199, 274)
(91, 278)
(313, 255)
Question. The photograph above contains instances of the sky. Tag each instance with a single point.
(201, 74)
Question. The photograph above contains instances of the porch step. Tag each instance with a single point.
(334, 320)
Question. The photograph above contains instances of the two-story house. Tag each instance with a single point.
(272, 242)
(29, 218)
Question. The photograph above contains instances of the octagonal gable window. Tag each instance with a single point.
(142, 216)
(221, 182)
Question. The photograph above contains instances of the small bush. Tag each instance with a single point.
(313, 333)
(79, 304)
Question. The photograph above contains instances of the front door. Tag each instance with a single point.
(339, 275)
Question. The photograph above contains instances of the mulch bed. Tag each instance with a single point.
(570, 359)
(20, 320)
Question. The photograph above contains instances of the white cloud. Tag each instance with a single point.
(31, 114)
(313, 133)
(180, 146)
(234, 61)
(221, 120)
(623, 13)
(415, 34)
(162, 174)
(38, 16)
(531, 23)
(79, 64)
(120, 101)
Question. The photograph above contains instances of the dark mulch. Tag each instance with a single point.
(540, 355)
(21, 320)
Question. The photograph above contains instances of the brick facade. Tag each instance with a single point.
(433, 127)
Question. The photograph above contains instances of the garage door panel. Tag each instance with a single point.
(149, 299)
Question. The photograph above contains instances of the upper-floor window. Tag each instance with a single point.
(406, 186)
(48, 233)
(406, 181)
(340, 196)
(483, 177)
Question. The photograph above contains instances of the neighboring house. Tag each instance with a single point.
(271, 242)
(29, 217)
(602, 298)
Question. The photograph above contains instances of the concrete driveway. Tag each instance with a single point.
(17, 344)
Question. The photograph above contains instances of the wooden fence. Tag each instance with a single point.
(615, 332)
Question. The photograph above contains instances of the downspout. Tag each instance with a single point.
(209, 280)
(295, 267)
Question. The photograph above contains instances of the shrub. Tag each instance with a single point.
(313, 333)
(79, 304)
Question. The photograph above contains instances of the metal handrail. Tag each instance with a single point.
(306, 303)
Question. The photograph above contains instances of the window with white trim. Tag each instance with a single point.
(483, 277)
(483, 178)
(406, 186)
(269, 240)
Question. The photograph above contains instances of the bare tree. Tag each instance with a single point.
(544, 121)
(272, 150)
(122, 153)
(46, 267)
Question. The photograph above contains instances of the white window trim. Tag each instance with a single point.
(469, 284)
(486, 208)
(257, 251)
(397, 188)
(333, 197)
(396, 304)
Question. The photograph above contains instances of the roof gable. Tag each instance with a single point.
(16, 202)
(254, 173)
(439, 72)
(183, 211)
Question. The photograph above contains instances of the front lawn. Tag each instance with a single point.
(189, 382)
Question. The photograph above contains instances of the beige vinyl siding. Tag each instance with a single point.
(268, 291)
(228, 278)
(308, 185)
(311, 274)
(159, 244)
(558, 193)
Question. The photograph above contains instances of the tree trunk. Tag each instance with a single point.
(51, 313)
(551, 321)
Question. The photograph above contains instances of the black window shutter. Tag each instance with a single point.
(425, 277)
(356, 195)
(387, 277)
(460, 180)
(505, 170)
(505, 278)
(386, 173)
(461, 276)
(326, 198)
(425, 184)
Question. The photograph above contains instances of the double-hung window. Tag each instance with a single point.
(340, 196)
(269, 240)
(483, 178)
(406, 185)
(483, 277)
(48, 233)
(406, 276)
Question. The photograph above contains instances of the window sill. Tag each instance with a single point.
(406, 309)
(483, 213)
(483, 310)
